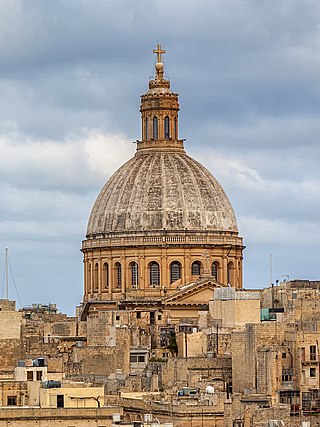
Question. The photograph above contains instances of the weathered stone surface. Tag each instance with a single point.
(161, 190)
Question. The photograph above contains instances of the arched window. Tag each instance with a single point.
(146, 129)
(154, 273)
(230, 273)
(196, 268)
(118, 275)
(175, 128)
(155, 128)
(166, 127)
(215, 270)
(105, 274)
(175, 271)
(89, 278)
(95, 277)
(134, 274)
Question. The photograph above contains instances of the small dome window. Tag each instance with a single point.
(155, 127)
(166, 127)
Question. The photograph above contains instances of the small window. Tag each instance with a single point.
(230, 273)
(146, 129)
(117, 317)
(141, 358)
(215, 270)
(106, 275)
(118, 275)
(313, 352)
(195, 268)
(133, 358)
(138, 314)
(166, 127)
(95, 277)
(12, 400)
(175, 271)
(134, 274)
(284, 355)
(152, 317)
(155, 127)
(29, 375)
(159, 316)
(175, 128)
(313, 373)
(154, 273)
(39, 375)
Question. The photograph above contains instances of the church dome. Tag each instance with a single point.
(161, 189)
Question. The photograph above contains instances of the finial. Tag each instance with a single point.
(159, 65)
(159, 52)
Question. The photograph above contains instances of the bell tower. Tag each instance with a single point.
(159, 112)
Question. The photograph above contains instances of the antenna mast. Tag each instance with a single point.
(7, 275)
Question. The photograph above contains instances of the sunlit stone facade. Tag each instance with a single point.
(162, 220)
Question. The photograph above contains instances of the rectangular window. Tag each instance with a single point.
(287, 375)
(117, 317)
(313, 352)
(137, 358)
(29, 375)
(39, 375)
(313, 373)
(303, 354)
(12, 400)
(138, 314)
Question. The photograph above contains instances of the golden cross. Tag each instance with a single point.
(159, 51)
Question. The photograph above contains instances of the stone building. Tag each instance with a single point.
(162, 221)
(165, 332)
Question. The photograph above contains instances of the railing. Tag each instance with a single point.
(140, 240)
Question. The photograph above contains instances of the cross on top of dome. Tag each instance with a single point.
(159, 52)
(159, 65)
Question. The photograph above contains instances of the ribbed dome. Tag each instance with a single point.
(158, 190)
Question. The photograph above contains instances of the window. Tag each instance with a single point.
(313, 373)
(117, 317)
(313, 352)
(95, 277)
(29, 375)
(154, 274)
(303, 354)
(155, 127)
(118, 275)
(137, 358)
(134, 274)
(215, 270)
(39, 375)
(89, 278)
(12, 400)
(152, 318)
(175, 128)
(60, 401)
(166, 127)
(146, 130)
(105, 273)
(175, 271)
(138, 314)
(286, 375)
(284, 355)
(195, 268)
(230, 273)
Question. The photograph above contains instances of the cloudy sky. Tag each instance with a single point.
(71, 74)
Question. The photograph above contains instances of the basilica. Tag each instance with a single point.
(162, 227)
(166, 335)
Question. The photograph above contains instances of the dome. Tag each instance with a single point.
(161, 189)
